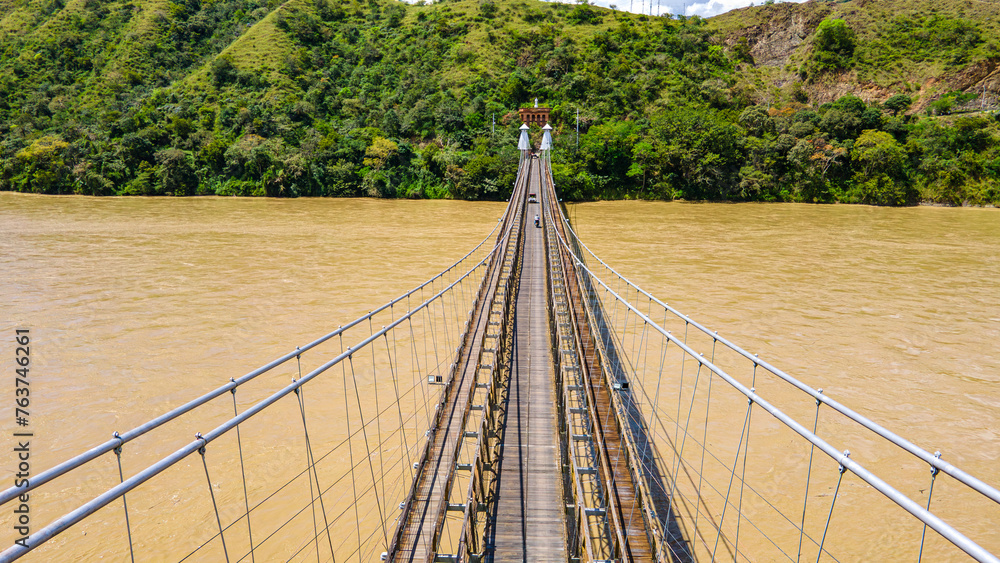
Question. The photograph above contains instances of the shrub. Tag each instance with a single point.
(833, 45)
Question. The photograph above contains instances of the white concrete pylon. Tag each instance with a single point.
(546, 137)
(523, 143)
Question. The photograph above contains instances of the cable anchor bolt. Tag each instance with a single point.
(121, 442)
(843, 458)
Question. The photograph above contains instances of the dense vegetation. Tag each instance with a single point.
(380, 98)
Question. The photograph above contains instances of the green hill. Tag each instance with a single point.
(801, 102)
(924, 48)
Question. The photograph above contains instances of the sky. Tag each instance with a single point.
(705, 8)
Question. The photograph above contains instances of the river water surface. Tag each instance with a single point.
(137, 305)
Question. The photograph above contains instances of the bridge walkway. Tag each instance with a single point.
(530, 512)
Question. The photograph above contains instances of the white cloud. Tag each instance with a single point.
(651, 7)
(716, 7)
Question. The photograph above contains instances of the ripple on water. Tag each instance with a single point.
(137, 305)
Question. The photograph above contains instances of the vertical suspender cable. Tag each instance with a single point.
(243, 473)
(121, 476)
(211, 492)
(309, 475)
(378, 409)
(680, 386)
(680, 453)
(743, 477)
(418, 374)
(399, 406)
(840, 470)
(350, 447)
(805, 500)
(704, 448)
(725, 505)
(930, 494)
(364, 433)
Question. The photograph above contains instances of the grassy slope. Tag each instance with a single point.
(125, 43)
(262, 48)
(882, 68)
(482, 50)
(126, 79)
(90, 51)
(889, 58)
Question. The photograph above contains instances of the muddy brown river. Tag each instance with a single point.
(137, 305)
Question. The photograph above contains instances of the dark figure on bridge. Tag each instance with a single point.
(536, 221)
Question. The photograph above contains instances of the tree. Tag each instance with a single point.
(223, 71)
(833, 45)
(898, 103)
(643, 154)
(390, 123)
(880, 170)
(583, 14)
(812, 163)
(376, 183)
(851, 104)
(834, 36)
(41, 167)
(840, 124)
(176, 173)
(379, 152)
(878, 152)
(801, 129)
(90, 182)
(475, 177)
(700, 153)
(972, 134)
(606, 150)
(448, 114)
(488, 9)
(756, 121)
(250, 157)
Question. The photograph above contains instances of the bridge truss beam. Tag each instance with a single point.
(474, 385)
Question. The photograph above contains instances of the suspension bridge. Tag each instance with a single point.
(526, 403)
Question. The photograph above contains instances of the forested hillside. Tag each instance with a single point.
(815, 102)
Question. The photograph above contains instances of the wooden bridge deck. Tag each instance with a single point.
(530, 513)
